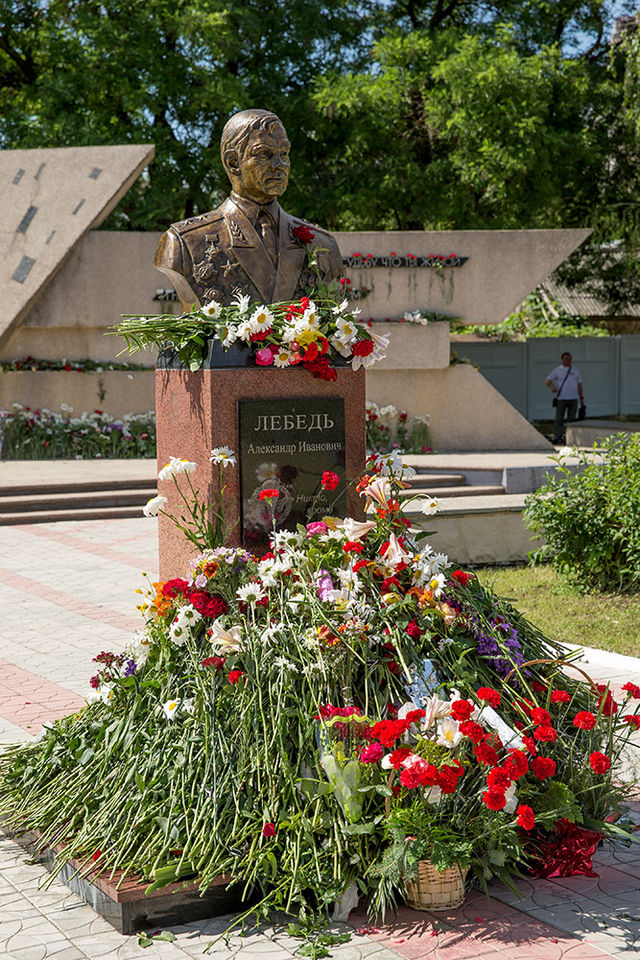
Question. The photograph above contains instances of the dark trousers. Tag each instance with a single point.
(570, 407)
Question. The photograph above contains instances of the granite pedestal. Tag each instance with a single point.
(198, 411)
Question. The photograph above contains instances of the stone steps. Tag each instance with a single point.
(86, 500)
(443, 493)
(424, 478)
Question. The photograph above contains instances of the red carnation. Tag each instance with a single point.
(270, 494)
(606, 703)
(560, 696)
(472, 730)
(632, 689)
(362, 348)
(413, 630)
(172, 588)
(207, 605)
(494, 800)
(633, 719)
(490, 696)
(353, 546)
(330, 480)
(546, 734)
(269, 830)
(461, 709)
(517, 763)
(461, 577)
(359, 564)
(398, 755)
(303, 234)
(235, 675)
(599, 762)
(541, 716)
(530, 744)
(499, 779)
(526, 817)
(321, 369)
(410, 778)
(486, 754)
(214, 662)
(447, 778)
(584, 720)
(543, 767)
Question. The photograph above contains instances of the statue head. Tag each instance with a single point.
(255, 153)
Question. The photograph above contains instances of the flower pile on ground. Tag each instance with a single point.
(326, 714)
(27, 434)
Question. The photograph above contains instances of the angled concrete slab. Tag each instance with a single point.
(49, 199)
(481, 276)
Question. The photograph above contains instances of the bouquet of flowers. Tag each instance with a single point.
(314, 332)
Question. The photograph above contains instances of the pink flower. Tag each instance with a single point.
(264, 357)
(372, 753)
(324, 584)
(317, 527)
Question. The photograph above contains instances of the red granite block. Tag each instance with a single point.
(197, 411)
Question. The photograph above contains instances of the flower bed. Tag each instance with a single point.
(391, 429)
(27, 434)
(252, 726)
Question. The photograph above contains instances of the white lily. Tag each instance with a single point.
(448, 733)
(226, 641)
(356, 529)
(395, 553)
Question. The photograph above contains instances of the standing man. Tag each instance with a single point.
(566, 385)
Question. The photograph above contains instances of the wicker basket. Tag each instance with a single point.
(434, 891)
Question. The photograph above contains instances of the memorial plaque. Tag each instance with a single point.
(287, 445)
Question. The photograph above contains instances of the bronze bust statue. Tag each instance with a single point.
(248, 245)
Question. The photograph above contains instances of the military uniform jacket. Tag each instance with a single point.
(218, 254)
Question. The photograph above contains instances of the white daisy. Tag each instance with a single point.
(223, 455)
(252, 592)
(153, 506)
(283, 358)
(171, 708)
(261, 319)
(429, 505)
(176, 466)
(241, 302)
(213, 309)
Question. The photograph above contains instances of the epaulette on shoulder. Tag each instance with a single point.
(192, 223)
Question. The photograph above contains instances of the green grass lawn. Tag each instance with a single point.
(606, 621)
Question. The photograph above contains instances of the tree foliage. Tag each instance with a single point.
(404, 114)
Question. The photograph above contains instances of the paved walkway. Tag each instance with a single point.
(67, 590)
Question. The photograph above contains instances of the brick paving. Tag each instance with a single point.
(67, 590)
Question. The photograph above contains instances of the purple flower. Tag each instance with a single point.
(129, 668)
(324, 584)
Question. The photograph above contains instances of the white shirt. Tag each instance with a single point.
(570, 389)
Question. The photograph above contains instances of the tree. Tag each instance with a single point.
(465, 131)
(77, 72)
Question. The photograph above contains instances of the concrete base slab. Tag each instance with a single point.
(517, 472)
(584, 433)
(126, 905)
(479, 530)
